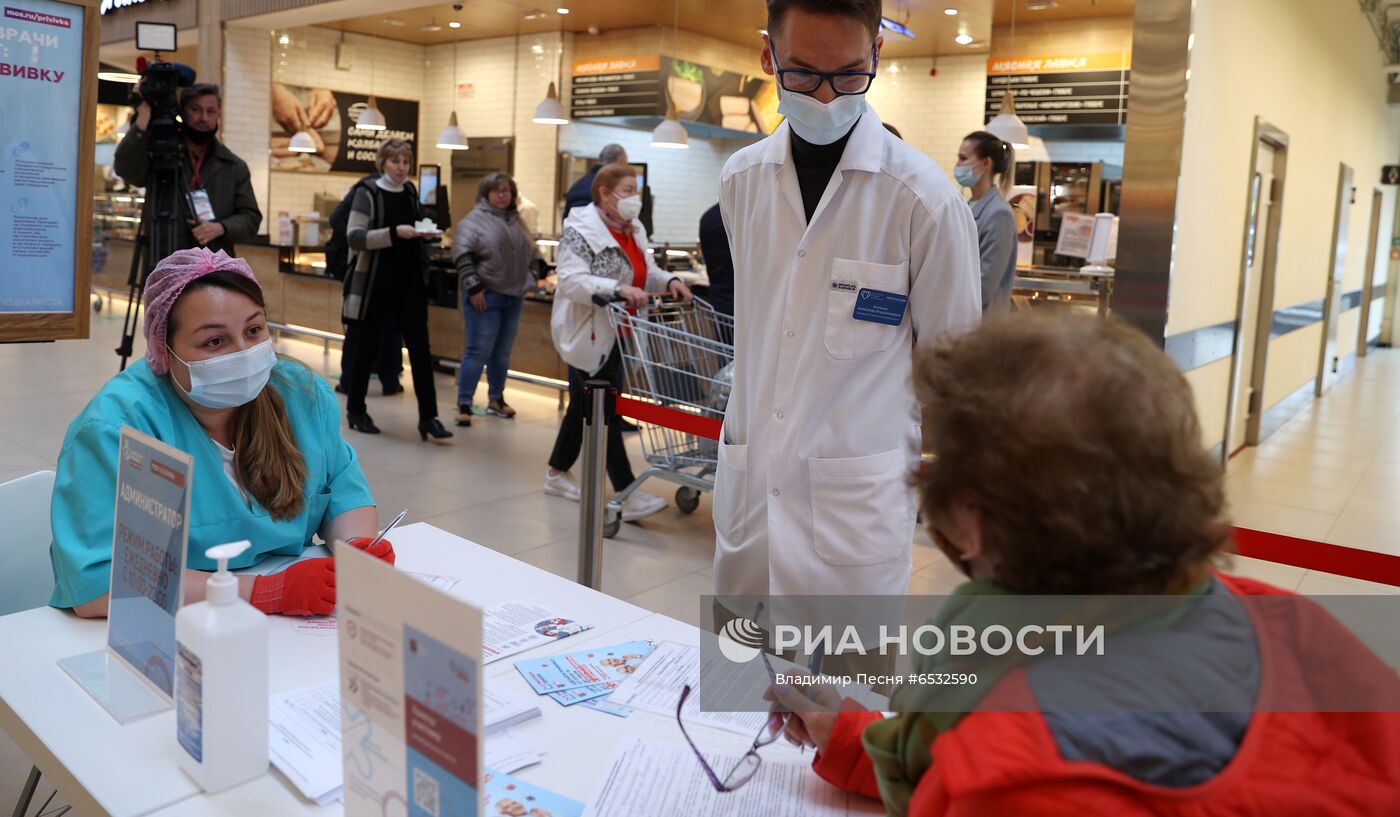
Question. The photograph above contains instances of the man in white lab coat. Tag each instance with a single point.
(850, 247)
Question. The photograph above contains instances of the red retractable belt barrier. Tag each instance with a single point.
(1366, 565)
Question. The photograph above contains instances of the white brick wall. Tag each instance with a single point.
(247, 111)
(933, 113)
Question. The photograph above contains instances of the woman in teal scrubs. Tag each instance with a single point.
(270, 465)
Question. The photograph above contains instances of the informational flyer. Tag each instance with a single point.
(517, 626)
(586, 668)
(41, 60)
(150, 535)
(412, 716)
(508, 796)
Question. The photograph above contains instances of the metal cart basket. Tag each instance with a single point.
(678, 356)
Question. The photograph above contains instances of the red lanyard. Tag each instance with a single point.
(197, 164)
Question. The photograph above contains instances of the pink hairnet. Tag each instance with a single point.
(164, 286)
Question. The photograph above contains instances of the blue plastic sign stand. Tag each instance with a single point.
(134, 676)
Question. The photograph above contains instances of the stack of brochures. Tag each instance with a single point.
(586, 677)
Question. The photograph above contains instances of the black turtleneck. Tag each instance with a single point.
(815, 164)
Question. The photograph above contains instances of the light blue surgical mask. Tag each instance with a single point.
(965, 175)
(229, 381)
(818, 123)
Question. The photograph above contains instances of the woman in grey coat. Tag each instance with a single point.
(494, 255)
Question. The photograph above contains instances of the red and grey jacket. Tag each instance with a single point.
(1287, 762)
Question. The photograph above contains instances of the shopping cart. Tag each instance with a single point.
(677, 356)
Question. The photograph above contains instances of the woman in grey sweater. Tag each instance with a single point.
(986, 166)
(494, 254)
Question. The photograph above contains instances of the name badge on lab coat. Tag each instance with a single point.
(203, 209)
(878, 306)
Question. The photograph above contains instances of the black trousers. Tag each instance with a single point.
(388, 363)
(410, 311)
(570, 440)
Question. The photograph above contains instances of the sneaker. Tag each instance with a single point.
(561, 484)
(464, 415)
(640, 505)
(500, 409)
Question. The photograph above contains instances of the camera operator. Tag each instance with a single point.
(219, 184)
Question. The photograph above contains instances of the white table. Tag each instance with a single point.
(103, 768)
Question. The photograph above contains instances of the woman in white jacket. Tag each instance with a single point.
(603, 251)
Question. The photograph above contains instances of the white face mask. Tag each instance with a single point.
(817, 123)
(630, 207)
(229, 381)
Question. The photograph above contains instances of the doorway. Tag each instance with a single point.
(1327, 361)
(1364, 333)
(1254, 311)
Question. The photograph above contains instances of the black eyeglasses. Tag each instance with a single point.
(844, 83)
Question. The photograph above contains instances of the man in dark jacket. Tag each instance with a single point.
(581, 194)
(209, 167)
(714, 245)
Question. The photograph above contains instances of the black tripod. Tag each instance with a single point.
(163, 221)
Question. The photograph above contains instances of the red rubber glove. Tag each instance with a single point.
(381, 550)
(307, 588)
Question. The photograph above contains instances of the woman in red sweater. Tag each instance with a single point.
(1068, 462)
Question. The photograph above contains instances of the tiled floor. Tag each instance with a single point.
(1330, 474)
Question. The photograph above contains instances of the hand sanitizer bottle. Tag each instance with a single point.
(221, 688)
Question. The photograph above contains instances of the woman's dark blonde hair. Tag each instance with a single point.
(266, 458)
(1078, 441)
(392, 147)
(609, 177)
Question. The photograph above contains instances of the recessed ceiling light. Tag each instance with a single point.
(951, 12)
(432, 26)
(1040, 5)
(531, 14)
(962, 39)
(118, 76)
(394, 21)
(454, 24)
(562, 10)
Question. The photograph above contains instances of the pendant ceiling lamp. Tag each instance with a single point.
(451, 137)
(670, 134)
(1006, 125)
(551, 110)
(370, 118)
(302, 142)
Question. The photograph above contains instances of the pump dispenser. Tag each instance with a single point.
(221, 687)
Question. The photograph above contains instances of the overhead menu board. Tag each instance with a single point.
(1063, 89)
(45, 161)
(651, 85)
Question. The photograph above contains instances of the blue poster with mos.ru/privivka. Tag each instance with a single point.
(41, 61)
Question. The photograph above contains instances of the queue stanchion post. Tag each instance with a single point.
(596, 394)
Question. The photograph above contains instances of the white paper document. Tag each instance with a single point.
(304, 739)
(657, 684)
(517, 626)
(505, 709)
(654, 777)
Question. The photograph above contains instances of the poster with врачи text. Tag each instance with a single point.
(41, 59)
(149, 537)
(410, 694)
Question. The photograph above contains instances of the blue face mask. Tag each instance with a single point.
(229, 381)
(965, 175)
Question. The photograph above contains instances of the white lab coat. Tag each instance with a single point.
(822, 432)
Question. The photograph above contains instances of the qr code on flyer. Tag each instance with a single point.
(425, 792)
